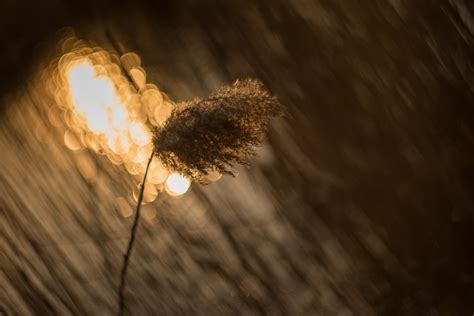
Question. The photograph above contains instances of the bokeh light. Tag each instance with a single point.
(110, 114)
(176, 184)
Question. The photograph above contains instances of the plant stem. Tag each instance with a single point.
(123, 273)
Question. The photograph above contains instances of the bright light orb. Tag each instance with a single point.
(104, 113)
(176, 184)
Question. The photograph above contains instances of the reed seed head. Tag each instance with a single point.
(214, 134)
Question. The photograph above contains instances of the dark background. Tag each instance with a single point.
(361, 202)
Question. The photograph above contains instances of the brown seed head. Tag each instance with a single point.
(213, 134)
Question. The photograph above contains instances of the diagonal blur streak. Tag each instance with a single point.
(360, 202)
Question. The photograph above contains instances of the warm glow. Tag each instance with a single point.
(176, 184)
(95, 100)
(104, 112)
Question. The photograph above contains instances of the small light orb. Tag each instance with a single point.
(71, 141)
(130, 60)
(176, 184)
(138, 76)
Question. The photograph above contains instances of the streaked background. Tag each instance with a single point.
(360, 203)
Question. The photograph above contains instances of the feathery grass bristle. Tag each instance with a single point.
(213, 134)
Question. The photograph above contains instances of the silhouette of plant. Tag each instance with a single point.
(212, 134)
(209, 135)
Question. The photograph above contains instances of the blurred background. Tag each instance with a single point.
(360, 203)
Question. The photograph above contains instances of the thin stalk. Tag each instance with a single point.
(126, 261)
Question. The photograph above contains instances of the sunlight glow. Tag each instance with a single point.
(95, 100)
(103, 111)
(176, 184)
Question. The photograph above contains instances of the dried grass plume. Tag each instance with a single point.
(213, 134)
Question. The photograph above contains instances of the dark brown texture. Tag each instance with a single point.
(360, 203)
(212, 134)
